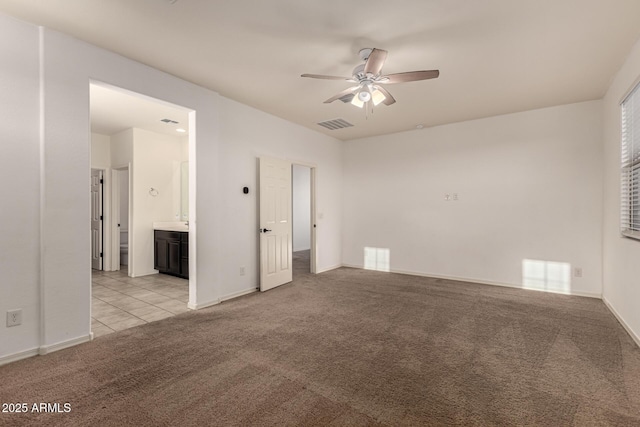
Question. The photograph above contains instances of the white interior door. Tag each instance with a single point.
(276, 252)
(96, 219)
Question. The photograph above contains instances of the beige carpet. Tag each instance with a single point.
(349, 347)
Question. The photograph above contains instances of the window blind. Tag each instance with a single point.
(630, 162)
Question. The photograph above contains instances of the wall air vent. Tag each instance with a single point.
(169, 121)
(335, 124)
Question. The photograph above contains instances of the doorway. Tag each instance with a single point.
(129, 291)
(302, 221)
(276, 217)
(122, 215)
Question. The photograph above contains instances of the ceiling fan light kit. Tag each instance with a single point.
(369, 76)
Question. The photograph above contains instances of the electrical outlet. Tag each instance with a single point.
(242, 271)
(577, 271)
(14, 317)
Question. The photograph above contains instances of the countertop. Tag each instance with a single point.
(171, 226)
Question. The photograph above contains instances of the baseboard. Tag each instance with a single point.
(324, 270)
(485, 282)
(221, 299)
(46, 349)
(18, 356)
(203, 305)
(238, 294)
(145, 273)
(624, 324)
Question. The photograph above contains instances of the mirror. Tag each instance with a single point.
(184, 191)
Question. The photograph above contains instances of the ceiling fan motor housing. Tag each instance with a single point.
(358, 72)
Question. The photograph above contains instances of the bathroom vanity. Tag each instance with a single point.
(171, 250)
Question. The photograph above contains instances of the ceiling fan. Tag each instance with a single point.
(369, 79)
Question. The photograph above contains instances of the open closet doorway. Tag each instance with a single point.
(122, 215)
(303, 219)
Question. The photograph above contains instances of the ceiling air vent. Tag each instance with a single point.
(335, 124)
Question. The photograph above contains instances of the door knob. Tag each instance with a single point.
(264, 230)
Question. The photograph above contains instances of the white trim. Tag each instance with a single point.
(114, 230)
(313, 221)
(151, 273)
(193, 223)
(624, 324)
(222, 299)
(46, 349)
(626, 94)
(335, 267)
(485, 282)
(42, 201)
(302, 163)
(18, 356)
(107, 221)
(631, 234)
(197, 306)
(238, 294)
(313, 253)
(114, 192)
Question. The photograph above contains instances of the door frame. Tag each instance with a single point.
(313, 254)
(103, 219)
(313, 224)
(115, 210)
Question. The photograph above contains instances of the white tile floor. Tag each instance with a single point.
(120, 302)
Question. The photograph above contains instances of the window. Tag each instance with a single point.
(630, 197)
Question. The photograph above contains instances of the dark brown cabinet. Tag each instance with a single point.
(171, 254)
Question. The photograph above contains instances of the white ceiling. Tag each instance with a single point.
(494, 56)
(113, 111)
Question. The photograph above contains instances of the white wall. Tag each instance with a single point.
(245, 134)
(301, 208)
(620, 254)
(100, 151)
(20, 166)
(156, 164)
(529, 187)
(122, 148)
(123, 182)
(58, 275)
(46, 244)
